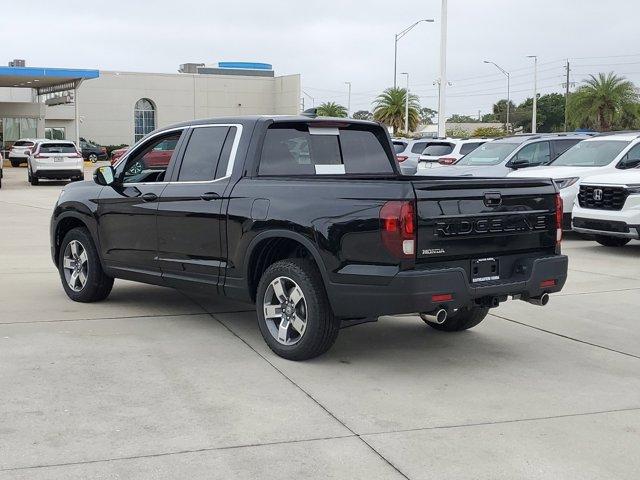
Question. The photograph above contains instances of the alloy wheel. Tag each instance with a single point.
(75, 265)
(285, 311)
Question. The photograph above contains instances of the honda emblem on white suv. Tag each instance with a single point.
(597, 194)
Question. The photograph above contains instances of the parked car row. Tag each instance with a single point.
(595, 174)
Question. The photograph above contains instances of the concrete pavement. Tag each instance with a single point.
(153, 383)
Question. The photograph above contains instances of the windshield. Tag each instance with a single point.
(491, 153)
(591, 154)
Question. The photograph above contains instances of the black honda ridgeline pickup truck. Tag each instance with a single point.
(312, 221)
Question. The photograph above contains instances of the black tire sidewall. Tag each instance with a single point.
(318, 310)
(606, 241)
(93, 289)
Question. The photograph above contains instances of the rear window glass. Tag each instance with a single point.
(399, 147)
(469, 147)
(57, 148)
(418, 147)
(294, 151)
(23, 143)
(437, 149)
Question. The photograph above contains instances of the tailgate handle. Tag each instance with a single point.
(492, 199)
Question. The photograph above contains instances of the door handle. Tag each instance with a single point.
(149, 197)
(209, 196)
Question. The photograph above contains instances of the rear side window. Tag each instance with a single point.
(203, 156)
(438, 149)
(57, 148)
(418, 147)
(469, 147)
(295, 151)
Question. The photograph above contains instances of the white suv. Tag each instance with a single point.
(608, 206)
(18, 151)
(447, 151)
(608, 153)
(54, 159)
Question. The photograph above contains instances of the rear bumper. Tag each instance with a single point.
(411, 291)
(58, 173)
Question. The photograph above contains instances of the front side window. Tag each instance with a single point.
(631, 159)
(149, 163)
(293, 150)
(202, 160)
(534, 154)
(144, 118)
(491, 153)
(591, 153)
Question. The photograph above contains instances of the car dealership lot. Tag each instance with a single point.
(153, 383)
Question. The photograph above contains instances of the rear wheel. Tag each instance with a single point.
(15, 163)
(80, 270)
(294, 314)
(612, 241)
(462, 319)
(33, 180)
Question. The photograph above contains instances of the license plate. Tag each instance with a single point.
(59, 159)
(484, 270)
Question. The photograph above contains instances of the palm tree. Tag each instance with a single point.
(602, 101)
(389, 109)
(331, 109)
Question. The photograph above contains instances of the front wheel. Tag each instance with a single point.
(462, 319)
(93, 158)
(80, 270)
(612, 241)
(294, 315)
(15, 163)
(33, 180)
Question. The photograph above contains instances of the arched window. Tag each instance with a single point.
(144, 117)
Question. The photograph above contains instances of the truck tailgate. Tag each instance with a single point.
(480, 218)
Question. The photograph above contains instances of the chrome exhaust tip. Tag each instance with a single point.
(437, 316)
(541, 301)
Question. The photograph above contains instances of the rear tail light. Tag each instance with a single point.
(548, 283)
(398, 228)
(559, 216)
(441, 297)
(447, 161)
(401, 158)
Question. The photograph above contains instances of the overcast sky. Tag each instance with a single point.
(329, 42)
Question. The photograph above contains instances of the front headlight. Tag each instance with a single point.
(565, 182)
(633, 189)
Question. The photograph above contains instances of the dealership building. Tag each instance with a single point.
(113, 108)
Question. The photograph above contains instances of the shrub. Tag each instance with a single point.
(488, 132)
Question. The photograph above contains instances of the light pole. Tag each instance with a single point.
(398, 36)
(348, 84)
(442, 86)
(534, 112)
(406, 106)
(508, 89)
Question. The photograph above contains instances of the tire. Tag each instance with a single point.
(612, 241)
(15, 163)
(320, 326)
(97, 285)
(463, 319)
(93, 158)
(33, 180)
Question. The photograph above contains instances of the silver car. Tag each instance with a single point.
(408, 152)
(505, 155)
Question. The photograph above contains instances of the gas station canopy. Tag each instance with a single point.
(45, 80)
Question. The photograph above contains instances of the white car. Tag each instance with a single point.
(18, 151)
(54, 159)
(408, 151)
(447, 151)
(608, 206)
(597, 155)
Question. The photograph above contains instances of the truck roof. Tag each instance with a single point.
(275, 118)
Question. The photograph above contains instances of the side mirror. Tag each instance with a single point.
(104, 175)
(517, 163)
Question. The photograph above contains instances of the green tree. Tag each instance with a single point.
(602, 102)
(426, 115)
(549, 115)
(455, 118)
(363, 115)
(500, 111)
(389, 109)
(331, 109)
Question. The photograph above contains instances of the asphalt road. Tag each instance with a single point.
(153, 383)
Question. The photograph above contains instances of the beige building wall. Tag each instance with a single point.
(106, 104)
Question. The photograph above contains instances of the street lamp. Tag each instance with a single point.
(398, 36)
(534, 113)
(508, 89)
(348, 84)
(406, 106)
